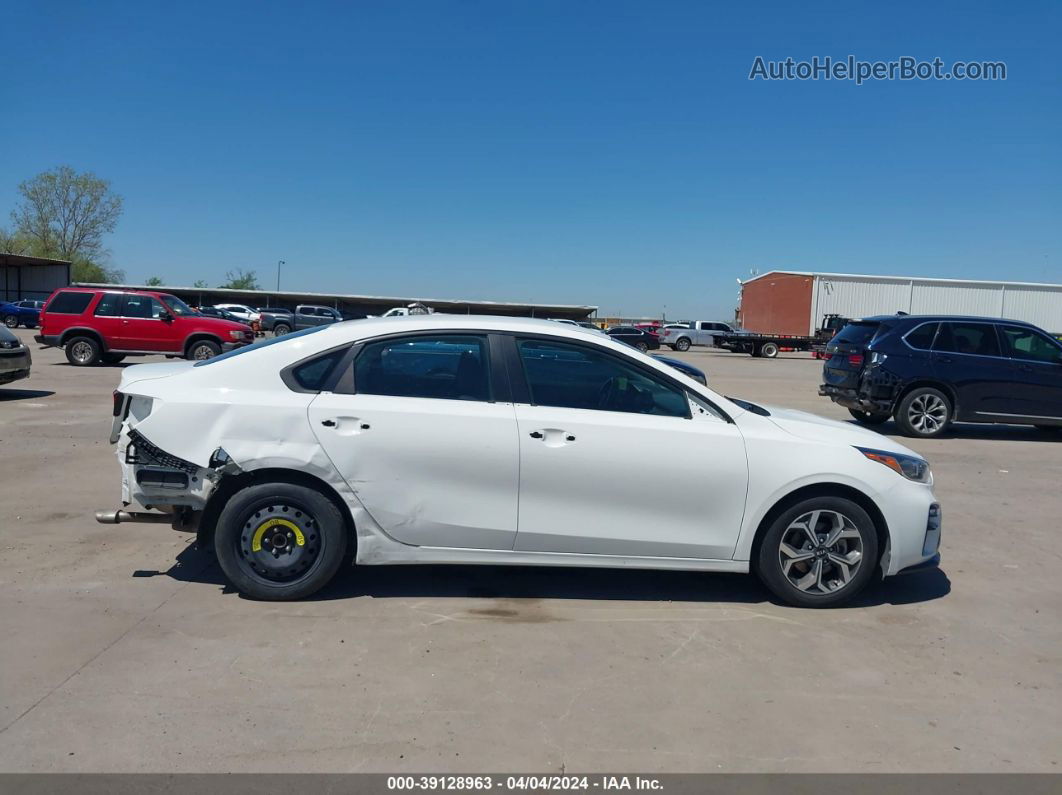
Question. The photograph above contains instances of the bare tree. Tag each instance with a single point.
(65, 214)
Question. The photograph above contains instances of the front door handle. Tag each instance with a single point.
(568, 437)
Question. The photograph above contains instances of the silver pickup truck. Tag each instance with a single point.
(680, 336)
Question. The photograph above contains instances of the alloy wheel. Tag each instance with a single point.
(202, 352)
(820, 552)
(927, 413)
(82, 352)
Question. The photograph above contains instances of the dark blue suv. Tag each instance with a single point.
(927, 371)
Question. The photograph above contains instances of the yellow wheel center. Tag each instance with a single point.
(256, 541)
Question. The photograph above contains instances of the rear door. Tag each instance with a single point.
(306, 316)
(1036, 365)
(421, 439)
(966, 356)
(847, 355)
(107, 319)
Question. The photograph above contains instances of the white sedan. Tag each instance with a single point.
(454, 439)
(242, 311)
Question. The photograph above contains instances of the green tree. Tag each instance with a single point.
(154, 281)
(241, 280)
(65, 214)
(83, 270)
(201, 283)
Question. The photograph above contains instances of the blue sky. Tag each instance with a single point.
(608, 153)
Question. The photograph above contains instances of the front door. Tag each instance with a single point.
(1036, 362)
(142, 327)
(421, 443)
(613, 461)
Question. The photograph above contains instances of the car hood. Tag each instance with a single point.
(146, 372)
(814, 428)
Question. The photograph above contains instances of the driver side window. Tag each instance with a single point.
(581, 377)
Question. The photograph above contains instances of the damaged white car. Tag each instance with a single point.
(452, 439)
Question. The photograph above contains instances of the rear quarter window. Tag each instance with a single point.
(857, 333)
(70, 303)
(921, 337)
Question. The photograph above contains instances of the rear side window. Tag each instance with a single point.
(70, 303)
(857, 333)
(973, 339)
(1025, 343)
(446, 366)
(109, 305)
(313, 375)
(922, 337)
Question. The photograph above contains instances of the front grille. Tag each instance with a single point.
(141, 451)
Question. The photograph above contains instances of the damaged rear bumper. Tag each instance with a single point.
(158, 487)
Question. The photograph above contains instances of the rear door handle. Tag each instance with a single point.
(536, 434)
(328, 423)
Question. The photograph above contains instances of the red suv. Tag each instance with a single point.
(107, 325)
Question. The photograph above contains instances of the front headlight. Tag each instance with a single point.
(237, 335)
(911, 467)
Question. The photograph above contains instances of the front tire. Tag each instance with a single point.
(868, 417)
(203, 349)
(83, 351)
(280, 541)
(924, 412)
(821, 552)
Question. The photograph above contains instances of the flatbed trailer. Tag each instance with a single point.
(770, 345)
(766, 345)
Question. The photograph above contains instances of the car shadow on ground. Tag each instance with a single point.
(24, 394)
(544, 582)
(1002, 433)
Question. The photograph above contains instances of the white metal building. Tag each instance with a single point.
(783, 296)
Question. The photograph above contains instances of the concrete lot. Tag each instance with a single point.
(122, 650)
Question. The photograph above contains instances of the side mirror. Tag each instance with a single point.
(165, 317)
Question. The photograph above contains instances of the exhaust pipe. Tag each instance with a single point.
(117, 517)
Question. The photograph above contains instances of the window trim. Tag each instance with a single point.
(522, 388)
(342, 380)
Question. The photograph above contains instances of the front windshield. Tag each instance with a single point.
(178, 307)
